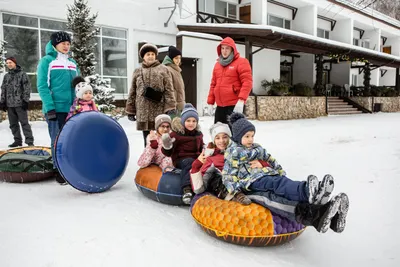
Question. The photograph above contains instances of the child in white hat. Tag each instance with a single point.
(84, 97)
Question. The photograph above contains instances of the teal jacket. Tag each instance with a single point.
(54, 80)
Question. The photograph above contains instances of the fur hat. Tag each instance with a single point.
(173, 52)
(189, 112)
(240, 126)
(59, 37)
(13, 59)
(218, 128)
(160, 119)
(147, 48)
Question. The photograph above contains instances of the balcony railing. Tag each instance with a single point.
(203, 17)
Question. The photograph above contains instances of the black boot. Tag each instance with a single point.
(338, 222)
(15, 144)
(60, 179)
(319, 216)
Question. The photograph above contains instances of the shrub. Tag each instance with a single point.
(302, 89)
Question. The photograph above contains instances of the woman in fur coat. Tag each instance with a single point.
(151, 92)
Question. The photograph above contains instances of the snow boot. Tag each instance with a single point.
(312, 186)
(187, 195)
(326, 213)
(338, 222)
(15, 144)
(241, 198)
(60, 179)
(325, 189)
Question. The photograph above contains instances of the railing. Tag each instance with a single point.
(203, 17)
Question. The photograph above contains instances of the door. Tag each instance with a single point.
(189, 74)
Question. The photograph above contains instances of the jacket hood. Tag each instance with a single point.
(167, 60)
(228, 41)
(51, 50)
(17, 69)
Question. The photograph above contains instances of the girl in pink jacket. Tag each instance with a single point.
(152, 154)
(84, 97)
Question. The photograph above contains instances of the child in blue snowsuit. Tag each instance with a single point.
(242, 172)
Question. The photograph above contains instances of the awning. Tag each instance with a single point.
(282, 39)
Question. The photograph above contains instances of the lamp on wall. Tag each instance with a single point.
(327, 66)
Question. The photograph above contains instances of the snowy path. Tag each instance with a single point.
(44, 224)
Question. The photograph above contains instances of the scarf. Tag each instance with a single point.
(226, 61)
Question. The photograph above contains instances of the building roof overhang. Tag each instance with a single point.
(282, 39)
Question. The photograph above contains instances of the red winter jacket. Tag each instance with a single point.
(232, 82)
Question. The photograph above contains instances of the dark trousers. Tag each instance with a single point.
(282, 186)
(145, 134)
(54, 128)
(222, 113)
(16, 116)
(185, 165)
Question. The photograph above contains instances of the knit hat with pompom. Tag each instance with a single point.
(240, 126)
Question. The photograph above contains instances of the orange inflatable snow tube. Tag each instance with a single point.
(251, 225)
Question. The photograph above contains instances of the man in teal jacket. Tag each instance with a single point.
(55, 73)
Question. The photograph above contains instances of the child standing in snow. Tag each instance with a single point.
(84, 97)
(152, 153)
(184, 144)
(242, 172)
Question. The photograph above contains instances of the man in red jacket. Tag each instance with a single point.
(231, 81)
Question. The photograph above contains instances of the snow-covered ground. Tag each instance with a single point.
(44, 224)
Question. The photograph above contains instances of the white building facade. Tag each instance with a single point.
(124, 24)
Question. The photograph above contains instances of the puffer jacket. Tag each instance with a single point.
(187, 144)
(81, 106)
(232, 82)
(16, 88)
(237, 173)
(55, 73)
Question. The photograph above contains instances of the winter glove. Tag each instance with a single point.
(25, 105)
(282, 173)
(52, 115)
(167, 141)
(131, 117)
(239, 106)
(210, 110)
(3, 107)
(154, 144)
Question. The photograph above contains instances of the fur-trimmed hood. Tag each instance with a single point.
(177, 126)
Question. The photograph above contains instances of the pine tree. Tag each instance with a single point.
(2, 55)
(82, 25)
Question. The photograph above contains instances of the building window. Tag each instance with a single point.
(323, 33)
(278, 22)
(361, 43)
(111, 57)
(224, 9)
(27, 37)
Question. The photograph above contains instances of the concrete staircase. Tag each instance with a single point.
(337, 106)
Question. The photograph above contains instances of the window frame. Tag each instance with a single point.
(325, 33)
(283, 21)
(39, 29)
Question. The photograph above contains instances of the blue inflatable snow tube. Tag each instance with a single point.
(92, 152)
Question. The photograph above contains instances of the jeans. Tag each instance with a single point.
(54, 128)
(185, 165)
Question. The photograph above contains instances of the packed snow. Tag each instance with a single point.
(45, 224)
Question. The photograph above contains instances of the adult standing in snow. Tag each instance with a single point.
(55, 73)
(151, 92)
(173, 62)
(15, 95)
(231, 81)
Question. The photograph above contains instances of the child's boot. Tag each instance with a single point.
(241, 198)
(327, 212)
(338, 222)
(325, 190)
(312, 186)
(187, 195)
